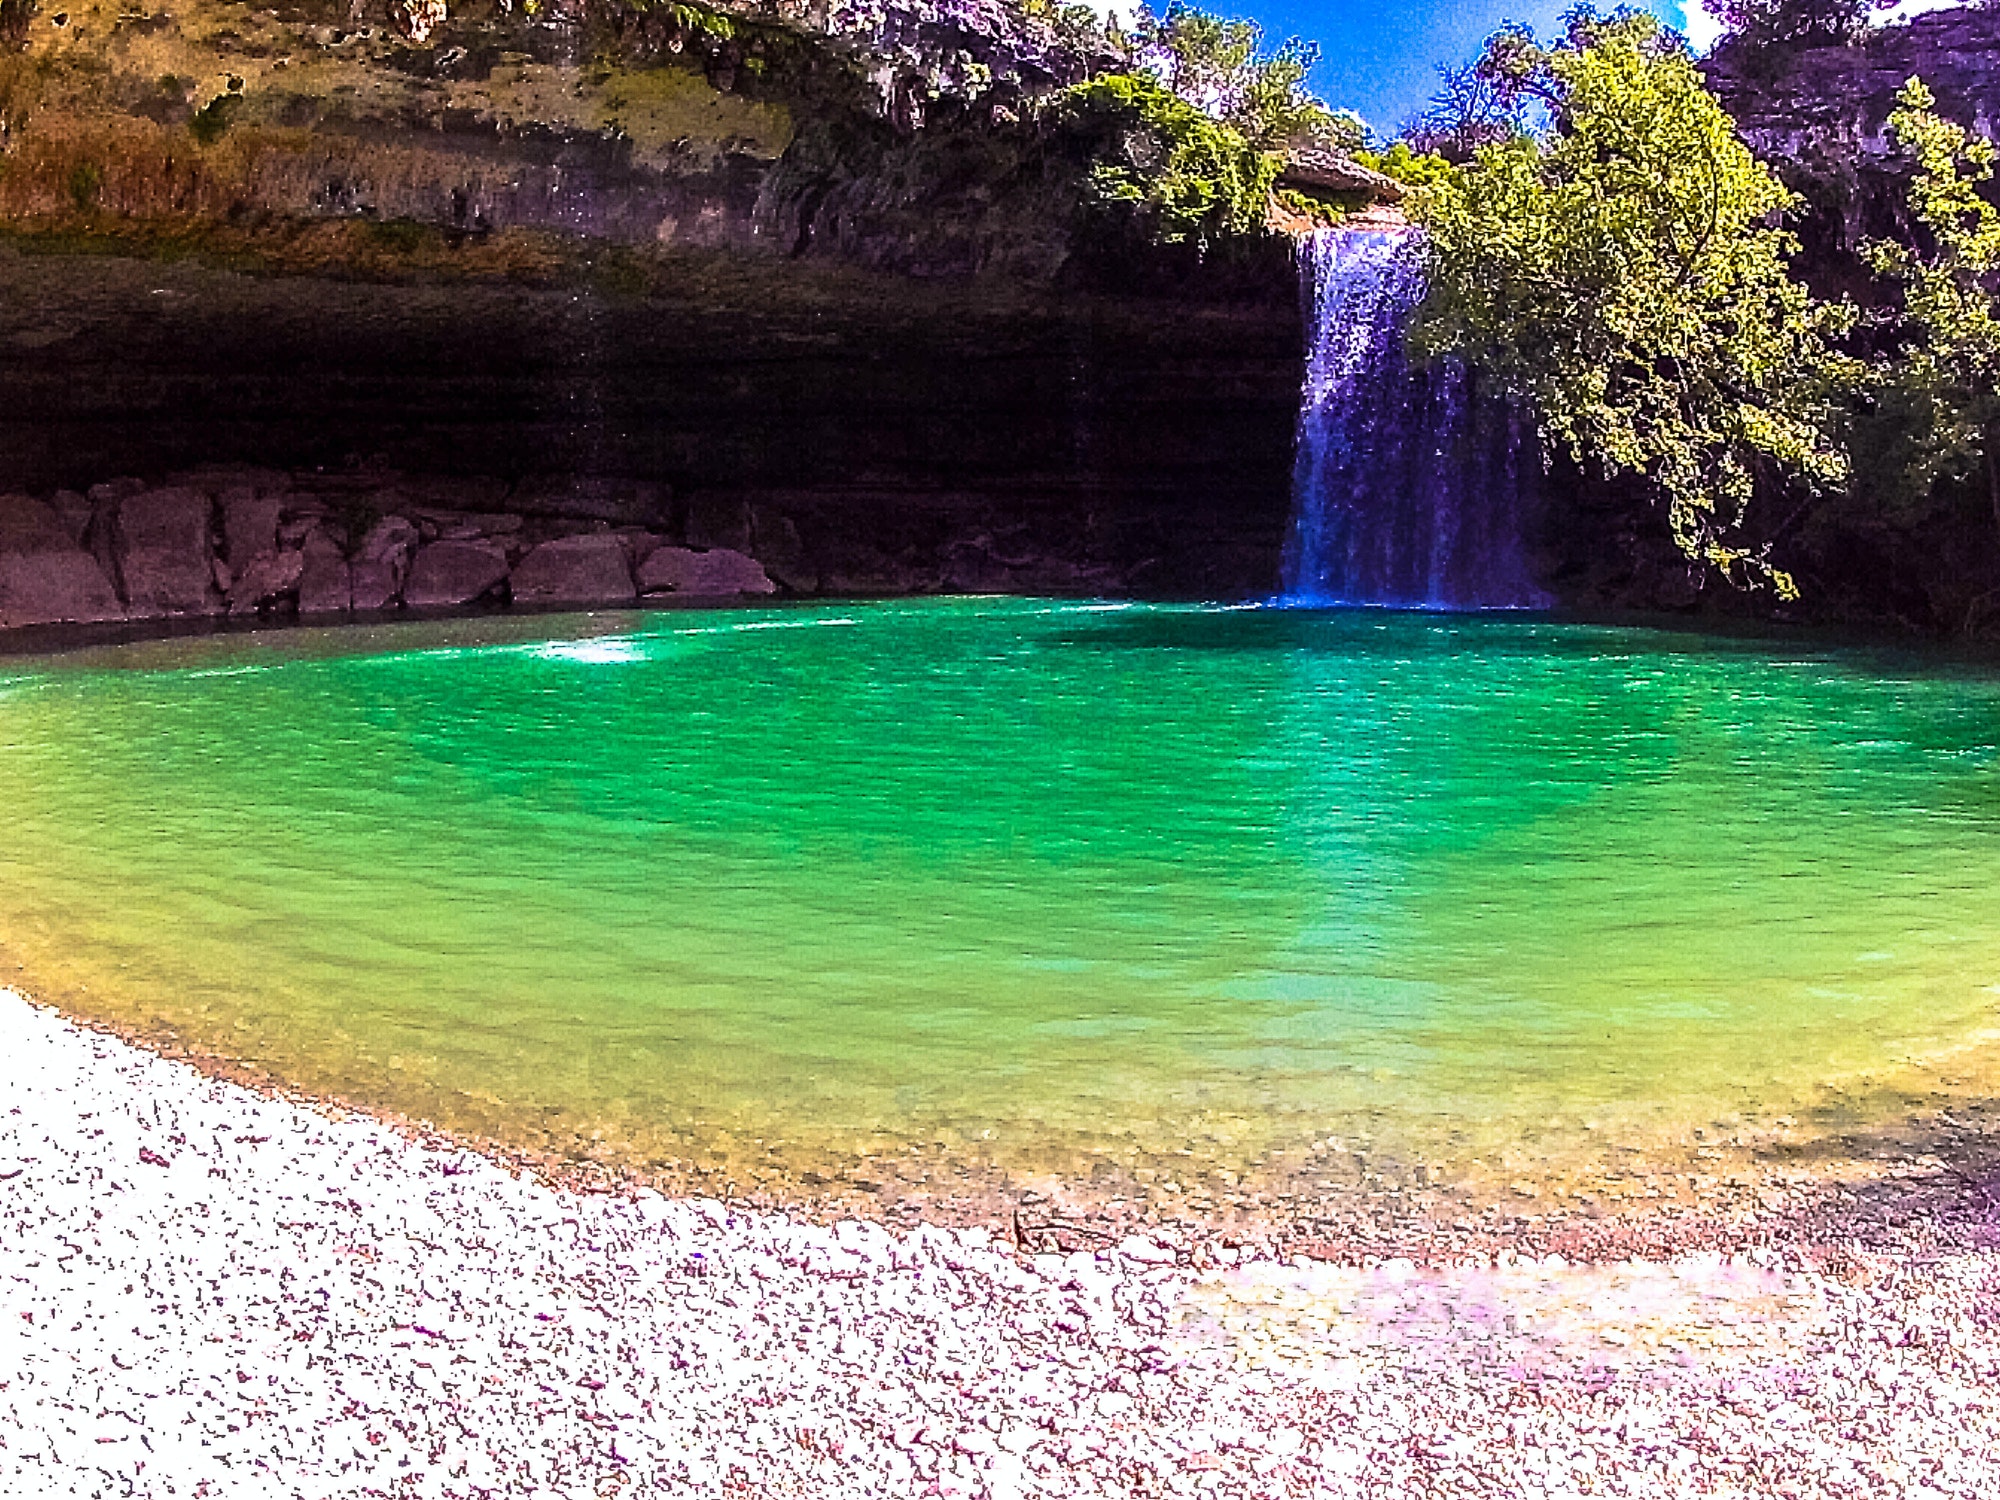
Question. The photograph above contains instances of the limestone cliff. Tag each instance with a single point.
(779, 126)
(854, 432)
(796, 280)
(1819, 114)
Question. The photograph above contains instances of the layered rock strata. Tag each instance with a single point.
(767, 127)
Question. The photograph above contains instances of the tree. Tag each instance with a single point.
(1948, 370)
(1220, 67)
(1762, 40)
(1164, 166)
(1469, 110)
(1625, 275)
(1796, 23)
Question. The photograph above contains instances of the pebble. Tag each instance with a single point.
(205, 1292)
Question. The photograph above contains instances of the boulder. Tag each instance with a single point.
(640, 543)
(299, 520)
(260, 570)
(382, 562)
(1311, 167)
(167, 561)
(389, 540)
(372, 585)
(714, 523)
(268, 578)
(249, 527)
(455, 572)
(714, 573)
(45, 578)
(326, 583)
(782, 551)
(576, 570)
(75, 512)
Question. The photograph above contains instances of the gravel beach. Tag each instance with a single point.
(204, 1291)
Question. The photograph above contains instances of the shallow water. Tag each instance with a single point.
(1052, 884)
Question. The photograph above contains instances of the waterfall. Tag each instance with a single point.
(1409, 488)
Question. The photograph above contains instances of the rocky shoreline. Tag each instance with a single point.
(263, 545)
(209, 1290)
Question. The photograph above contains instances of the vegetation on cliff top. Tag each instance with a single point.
(1186, 142)
(1164, 166)
(1030, 116)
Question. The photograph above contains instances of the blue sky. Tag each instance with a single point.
(1380, 58)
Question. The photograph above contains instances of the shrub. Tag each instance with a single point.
(212, 119)
(1406, 166)
(85, 183)
(1167, 168)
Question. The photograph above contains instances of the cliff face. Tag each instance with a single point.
(1819, 115)
(854, 432)
(482, 121)
(796, 283)
(781, 127)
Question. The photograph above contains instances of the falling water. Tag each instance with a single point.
(1409, 487)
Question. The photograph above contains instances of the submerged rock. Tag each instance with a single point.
(717, 572)
(45, 577)
(591, 569)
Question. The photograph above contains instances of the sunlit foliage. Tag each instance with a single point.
(1221, 67)
(1624, 272)
(1947, 371)
(1164, 166)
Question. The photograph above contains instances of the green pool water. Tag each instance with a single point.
(1053, 884)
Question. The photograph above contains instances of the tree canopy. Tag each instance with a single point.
(1222, 68)
(1948, 368)
(1796, 23)
(1470, 109)
(1624, 274)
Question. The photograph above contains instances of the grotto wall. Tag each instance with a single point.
(800, 292)
(853, 432)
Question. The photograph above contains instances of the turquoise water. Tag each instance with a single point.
(1051, 884)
